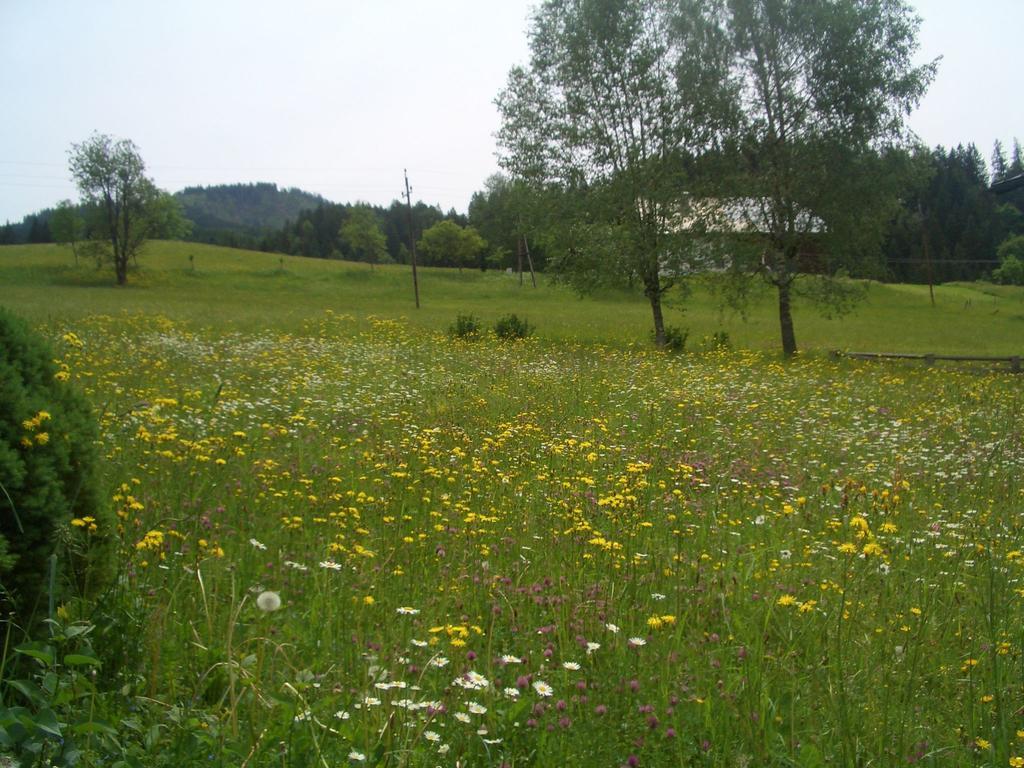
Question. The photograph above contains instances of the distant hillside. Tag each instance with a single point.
(232, 214)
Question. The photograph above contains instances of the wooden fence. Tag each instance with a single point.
(930, 359)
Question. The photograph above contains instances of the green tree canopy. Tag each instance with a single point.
(67, 226)
(448, 244)
(362, 237)
(602, 121)
(822, 89)
(504, 213)
(111, 177)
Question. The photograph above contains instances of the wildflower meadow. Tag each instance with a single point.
(362, 543)
(347, 539)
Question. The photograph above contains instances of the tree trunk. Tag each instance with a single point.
(786, 320)
(121, 268)
(653, 293)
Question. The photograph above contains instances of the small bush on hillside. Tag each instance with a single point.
(465, 327)
(675, 338)
(48, 470)
(511, 327)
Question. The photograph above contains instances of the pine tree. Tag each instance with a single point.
(999, 163)
(1017, 162)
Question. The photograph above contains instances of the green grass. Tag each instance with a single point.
(707, 560)
(246, 290)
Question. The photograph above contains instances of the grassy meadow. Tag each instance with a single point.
(348, 539)
(244, 290)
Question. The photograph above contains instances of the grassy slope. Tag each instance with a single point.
(244, 289)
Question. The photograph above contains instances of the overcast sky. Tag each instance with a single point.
(338, 97)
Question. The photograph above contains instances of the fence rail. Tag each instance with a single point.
(930, 359)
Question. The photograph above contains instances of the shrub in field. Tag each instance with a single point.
(47, 468)
(1010, 272)
(511, 327)
(465, 327)
(675, 338)
(1011, 256)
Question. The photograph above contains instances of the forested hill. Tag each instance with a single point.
(244, 210)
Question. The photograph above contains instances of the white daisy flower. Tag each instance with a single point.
(542, 688)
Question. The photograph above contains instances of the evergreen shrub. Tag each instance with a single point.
(49, 500)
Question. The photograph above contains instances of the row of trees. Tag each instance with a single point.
(750, 133)
(376, 235)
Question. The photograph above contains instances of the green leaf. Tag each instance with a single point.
(29, 690)
(94, 726)
(46, 721)
(77, 629)
(43, 653)
(80, 659)
(50, 683)
(10, 715)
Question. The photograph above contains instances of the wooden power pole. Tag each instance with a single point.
(412, 239)
(529, 260)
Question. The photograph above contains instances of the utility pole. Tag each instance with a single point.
(412, 238)
(519, 260)
(529, 260)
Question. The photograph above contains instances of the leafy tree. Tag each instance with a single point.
(493, 217)
(503, 213)
(166, 220)
(361, 235)
(822, 89)
(110, 175)
(448, 244)
(67, 226)
(396, 226)
(1011, 257)
(600, 124)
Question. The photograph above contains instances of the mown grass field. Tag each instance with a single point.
(571, 550)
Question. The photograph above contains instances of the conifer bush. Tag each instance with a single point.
(49, 499)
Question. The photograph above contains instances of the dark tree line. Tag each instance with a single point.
(315, 232)
(952, 224)
(34, 228)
